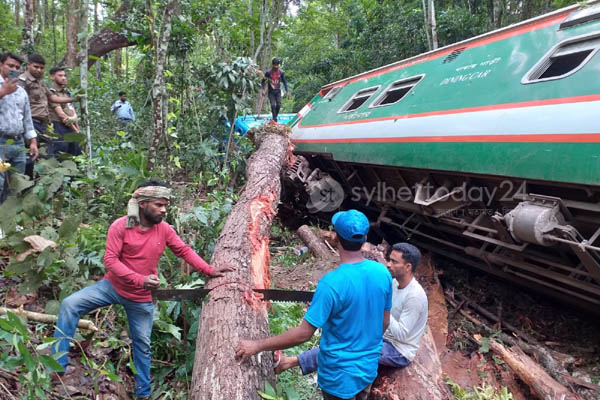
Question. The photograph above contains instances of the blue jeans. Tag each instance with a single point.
(139, 315)
(390, 357)
(15, 155)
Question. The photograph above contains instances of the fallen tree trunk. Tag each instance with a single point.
(541, 384)
(312, 241)
(46, 318)
(232, 311)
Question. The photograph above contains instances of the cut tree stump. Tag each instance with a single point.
(314, 243)
(542, 385)
(233, 311)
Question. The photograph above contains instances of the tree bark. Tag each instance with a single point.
(427, 25)
(117, 62)
(96, 27)
(27, 33)
(159, 92)
(17, 12)
(541, 384)
(313, 242)
(83, 75)
(233, 311)
(73, 12)
(433, 24)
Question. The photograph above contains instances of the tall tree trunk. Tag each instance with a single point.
(498, 13)
(433, 24)
(251, 33)
(118, 62)
(83, 73)
(27, 33)
(46, 14)
(73, 20)
(158, 92)
(232, 310)
(53, 24)
(96, 27)
(17, 12)
(427, 29)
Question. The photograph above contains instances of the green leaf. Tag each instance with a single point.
(8, 210)
(266, 396)
(75, 137)
(18, 324)
(69, 226)
(111, 375)
(269, 389)
(32, 205)
(51, 364)
(291, 393)
(5, 325)
(18, 268)
(485, 345)
(49, 233)
(27, 358)
(52, 307)
(19, 182)
(46, 257)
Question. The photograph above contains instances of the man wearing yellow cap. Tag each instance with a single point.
(134, 245)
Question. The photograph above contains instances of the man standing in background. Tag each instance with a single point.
(16, 125)
(123, 109)
(273, 79)
(62, 116)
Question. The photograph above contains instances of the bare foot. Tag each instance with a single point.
(286, 363)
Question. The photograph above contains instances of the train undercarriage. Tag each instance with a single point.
(540, 235)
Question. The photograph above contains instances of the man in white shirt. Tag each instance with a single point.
(408, 317)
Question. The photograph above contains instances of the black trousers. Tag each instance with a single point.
(59, 145)
(275, 100)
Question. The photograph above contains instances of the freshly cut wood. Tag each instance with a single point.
(542, 385)
(233, 311)
(313, 242)
(46, 318)
(420, 380)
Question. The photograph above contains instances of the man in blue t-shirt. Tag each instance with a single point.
(352, 307)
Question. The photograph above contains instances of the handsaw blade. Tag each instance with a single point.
(197, 294)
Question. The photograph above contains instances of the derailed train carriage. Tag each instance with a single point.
(486, 151)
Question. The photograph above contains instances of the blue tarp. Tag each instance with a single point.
(247, 122)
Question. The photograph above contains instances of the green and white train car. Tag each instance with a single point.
(487, 151)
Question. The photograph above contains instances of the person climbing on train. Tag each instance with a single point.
(271, 84)
(408, 317)
(352, 307)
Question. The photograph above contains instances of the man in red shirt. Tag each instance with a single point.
(133, 247)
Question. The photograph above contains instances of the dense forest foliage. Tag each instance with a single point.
(188, 67)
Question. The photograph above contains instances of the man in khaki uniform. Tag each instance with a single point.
(62, 116)
(39, 94)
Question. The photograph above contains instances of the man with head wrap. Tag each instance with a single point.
(134, 245)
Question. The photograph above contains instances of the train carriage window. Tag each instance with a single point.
(396, 91)
(332, 93)
(563, 60)
(359, 99)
